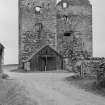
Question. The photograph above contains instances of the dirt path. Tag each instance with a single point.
(51, 89)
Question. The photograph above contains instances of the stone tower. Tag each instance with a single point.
(74, 27)
(65, 26)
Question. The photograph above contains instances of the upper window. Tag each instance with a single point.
(37, 9)
(38, 27)
(68, 33)
(65, 17)
(64, 5)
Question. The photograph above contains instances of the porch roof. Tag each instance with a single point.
(40, 50)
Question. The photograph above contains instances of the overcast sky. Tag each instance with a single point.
(9, 29)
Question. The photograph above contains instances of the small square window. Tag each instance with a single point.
(65, 18)
(68, 33)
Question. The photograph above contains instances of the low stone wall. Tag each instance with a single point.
(89, 66)
(101, 75)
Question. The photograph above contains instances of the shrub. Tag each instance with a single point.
(4, 76)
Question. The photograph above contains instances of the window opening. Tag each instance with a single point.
(65, 18)
(37, 9)
(64, 5)
(68, 33)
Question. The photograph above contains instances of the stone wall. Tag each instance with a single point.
(37, 26)
(89, 66)
(45, 22)
(75, 19)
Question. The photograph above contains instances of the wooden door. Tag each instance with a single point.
(51, 63)
(47, 64)
(42, 63)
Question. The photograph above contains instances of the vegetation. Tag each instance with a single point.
(101, 75)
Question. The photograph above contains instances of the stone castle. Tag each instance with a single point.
(47, 26)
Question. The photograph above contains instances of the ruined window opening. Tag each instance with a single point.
(65, 18)
(38, 27)
(37, 9)
(66, 34)
(64, 5)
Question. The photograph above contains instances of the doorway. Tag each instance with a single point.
(47, 63)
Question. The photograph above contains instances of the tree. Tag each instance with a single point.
(1, 56)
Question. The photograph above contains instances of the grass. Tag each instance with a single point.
(88, 84)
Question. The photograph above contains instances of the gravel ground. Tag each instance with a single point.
(51, 89)
(12, 93)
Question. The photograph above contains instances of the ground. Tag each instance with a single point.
(52, 89)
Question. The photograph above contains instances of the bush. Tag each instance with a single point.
(4, 76)
(101, 83)
(78, 68)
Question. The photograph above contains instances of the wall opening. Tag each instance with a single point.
(37, 9)
(68, 33)
(64, 5)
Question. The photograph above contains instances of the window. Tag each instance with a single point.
(38, 27)
(65, 18)
(37, 9)
(64, 5)
(68, 33)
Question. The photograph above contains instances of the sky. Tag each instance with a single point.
(9, 29)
